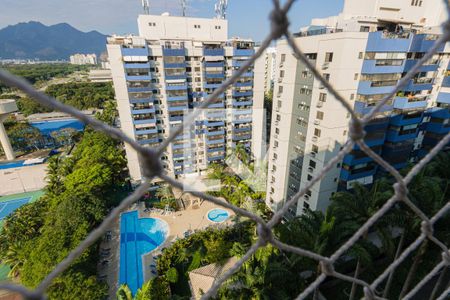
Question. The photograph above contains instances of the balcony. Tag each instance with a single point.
(242, 120)
(443, 98)
(176, 87)
(215, 142)
(176, 118)
(238, 63)
(132, 77)
(238, 112)
(243, 52)
(410, 103)
(242, 137)
(149, 141)
(247, 75)
(176, 77)
(446, 81)
(181, 65)
(178, 108)
(137, 65)
(243, 84)
(144, 121)
(214, 75)
(139, 89)
(134, 51)
(388, 42)
(214, 52)
(242, 103)
(212, 85)
(216, 132)
(347, 175)
(209, 64)
(371, 67)
(215, 149)
(174, 52)
(431, 67)
(383, 87)
(217, 157)
(242, 94)
(419, 84)
(214, 123)
(242, 129)
(147, 131)
(177, 98)
(139, 111)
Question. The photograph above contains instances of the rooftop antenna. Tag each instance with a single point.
(146, 6)
(184, 6)
(221, 9)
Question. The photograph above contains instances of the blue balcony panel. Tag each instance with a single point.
(176, 77)
(214, 52)
(242, 121)
(180, 87)
(215, 142)
(143, 111)
(238, 63)
(139, 89)
(365, 88)
(242, 103)
(410, 63)
(370, 67)
(214, 123)
(177, 98)
(438, 128)
(210, 64)
(242, 137)
(137, 77)
(347, 176)
(402, 103)
(149, 141)
(148, 131)
(175, 65)
(399, 120)
(216, 149)
(415, 87)
(181, 146)
(361, 108)
(137, 66)
(352, 161)
(216, 105)
(243, 94)
(147, 121)
(243, 84)
(246, 74)
(178, 108)
(176, 119)
(143, 100)
(213, 133)
(443, 98)
(446, 81)
(214, 158)
(377, 42)
(213, 75)
(238, 112)
(393, 136)
(243, 52)
(134, 51)
(243, 129)
(212, 85)
(174, 52)
(420, 43)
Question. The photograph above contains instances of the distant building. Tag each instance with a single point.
(173, 66)
(83, 59)
(363, 52)
(100, 75)
(269, 68)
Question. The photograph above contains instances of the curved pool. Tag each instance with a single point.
(138, 237)
(218, 215)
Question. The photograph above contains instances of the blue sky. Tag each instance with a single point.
(247, 18)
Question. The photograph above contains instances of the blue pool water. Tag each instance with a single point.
(218, 215)
(10, 165)
(47, 127)
(8, 207)
(137, 237)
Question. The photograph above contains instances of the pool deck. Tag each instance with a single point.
(23, 179)
(179, 222)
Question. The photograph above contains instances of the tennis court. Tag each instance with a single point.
(8, 207)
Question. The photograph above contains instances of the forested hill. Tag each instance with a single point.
(34, 40)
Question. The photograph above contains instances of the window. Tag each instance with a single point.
(326, 76)
(278, 117)
(277, 130)
(280, 89)
(328, 57)
(312, 164)
(279, 103)
(274, 168)
(275, 156)
(197, 69)
(306, 74)
(416, 3)
(196, 26)
(309, 177)
(323, 97)
(305, 206)
(281, 73)
(344, 133)
(317, 132)
(356, 76)
(315, 149)
(319, 115)
(361, 55)
(152, 24)
(364, 29)
(283, 58)
(217, 27)
(275, 144)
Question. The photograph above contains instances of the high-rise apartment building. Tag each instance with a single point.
(363, 53)
(170, 68)
(83, 59)
(268, 60)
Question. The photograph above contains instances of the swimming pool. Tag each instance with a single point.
(49, 126)
(7, 207)
(10, 165)
(218, 215)
(138, 237)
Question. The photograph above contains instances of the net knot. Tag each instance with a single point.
(279, 22)
(327, 267)
(369, 294)
(151, 164)
(446, 257)
(264, 233)
(427, 228)
(401, 190)
(356, 131)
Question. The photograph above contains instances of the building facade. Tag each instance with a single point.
(83, 59)
(170, 69)
(363, 53)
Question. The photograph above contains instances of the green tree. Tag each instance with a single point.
(124, 293)
(172, 275)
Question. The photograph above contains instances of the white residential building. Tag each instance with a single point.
(83, 59)
(363, 53)
(170, 68)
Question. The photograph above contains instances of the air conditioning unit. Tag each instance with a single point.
(311, 169)
(325, 66)
(313, 154)
(316, 122)
(280, 79)
(281, 64)
(315, 138)
(319, 104)
(306, 197)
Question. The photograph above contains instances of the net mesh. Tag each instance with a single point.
(152, 168)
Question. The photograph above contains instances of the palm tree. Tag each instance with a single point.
(357, 207)
(315, 232)
(124, 293)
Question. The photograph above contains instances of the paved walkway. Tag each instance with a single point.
(23, 179)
